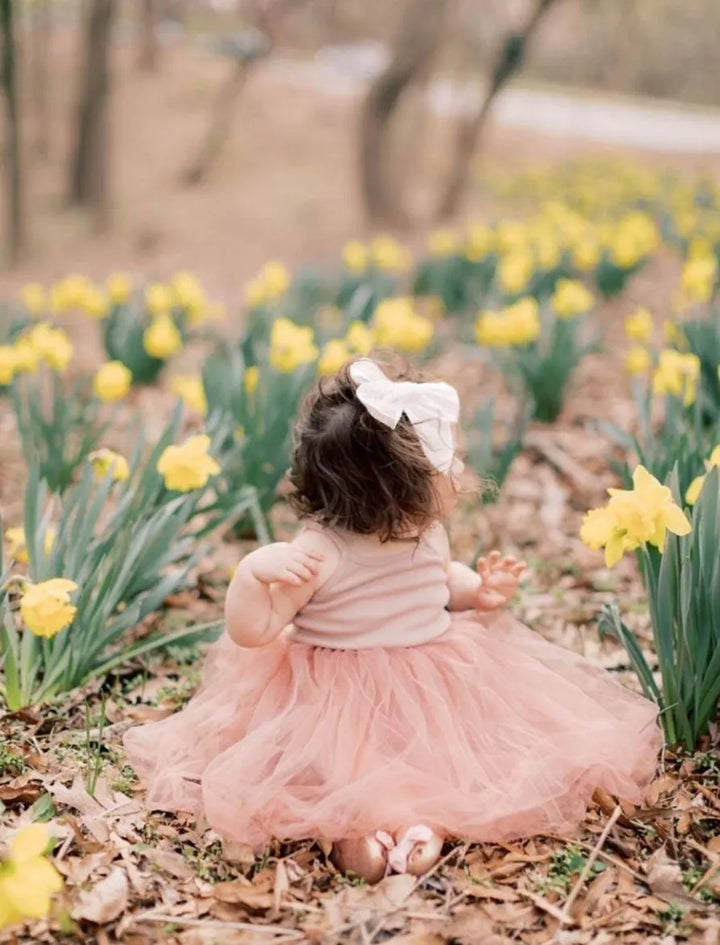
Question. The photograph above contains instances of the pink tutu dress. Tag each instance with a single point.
(379, 709)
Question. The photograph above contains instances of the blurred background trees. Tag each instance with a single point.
(413, 161)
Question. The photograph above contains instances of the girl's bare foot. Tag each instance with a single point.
(416, 851)
(366, 856)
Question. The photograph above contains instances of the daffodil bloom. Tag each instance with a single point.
(514, 272)
(33, 297)
(586, 253)
(480, 242)
(112, 381)
(443, 243)
(188, 466)
(332, 357)
(389, 255)
(397, 324)
(633, 517)
(162, 338)
(105, 460)
(26, 357)
(27, 879)
(68, 293)
(255, 293)
(639, 326)
(638, 360)
(291, 345)
(276, 279)
(571, 298)
(51, 345)
(251, 379)
(695, 487)
(18, 545)
(517, 324)
(187, 291)
(158, 299)
(45, 607)
(190, 388)
(359, 338)
(547, 251)
(119, 288)
(677, 374)
(95, 303)
(8, 362)
(698, 278)
(355, 257)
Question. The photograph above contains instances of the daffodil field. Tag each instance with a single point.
(119, 507)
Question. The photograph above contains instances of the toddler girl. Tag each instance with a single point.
(367, 691)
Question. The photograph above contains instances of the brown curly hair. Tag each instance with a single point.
(350, 471)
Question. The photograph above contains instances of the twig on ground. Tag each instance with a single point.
(567, 918)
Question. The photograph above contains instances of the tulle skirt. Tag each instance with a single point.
(487, 733)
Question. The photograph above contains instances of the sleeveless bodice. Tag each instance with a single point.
(379, 595)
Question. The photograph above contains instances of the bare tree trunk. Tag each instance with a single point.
(254, 44)
(508, 61)
(148, 48)
(220, 122)
(418, 39)
(12, 146)
(39, 75)
(89, 168)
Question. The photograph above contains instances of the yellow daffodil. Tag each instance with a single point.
(639, 326)
(51, 345)
(698, 278)
(68, 293)
(514, 272)
(397, 324)
(291, 345)
(162, 338)
(633, 517)
(190, 297)
(34, 299)
(8, 363)
(119, 288)
(355, 257)
(255, 294)
(105, 460)
(695, 487)
(188, 466)
(332, 357)
(638, 360)
(276, 278)
(480, 242)
(27, 879)
(389, 255)
(158, 299)
(95, 303)
(586, 253)
(517, 324)
(677, 374)
(547, 251)
(45, 607)
(190, 388)
(359, 338)
(443, 243)
(571, 298)
(251, 379)
(112, 381)
(18, 546)
(26, 357)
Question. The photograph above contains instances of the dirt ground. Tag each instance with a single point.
(285, 188)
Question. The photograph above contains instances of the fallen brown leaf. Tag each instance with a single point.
(105, 901)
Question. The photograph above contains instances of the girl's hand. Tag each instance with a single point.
(283, 563)
(500, 578)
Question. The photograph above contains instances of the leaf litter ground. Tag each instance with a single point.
(648, 874)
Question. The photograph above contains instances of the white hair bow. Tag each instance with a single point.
(432, 408)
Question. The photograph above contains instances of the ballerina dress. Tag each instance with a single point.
(379, 709)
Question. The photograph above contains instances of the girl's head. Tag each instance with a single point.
(351, 471)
